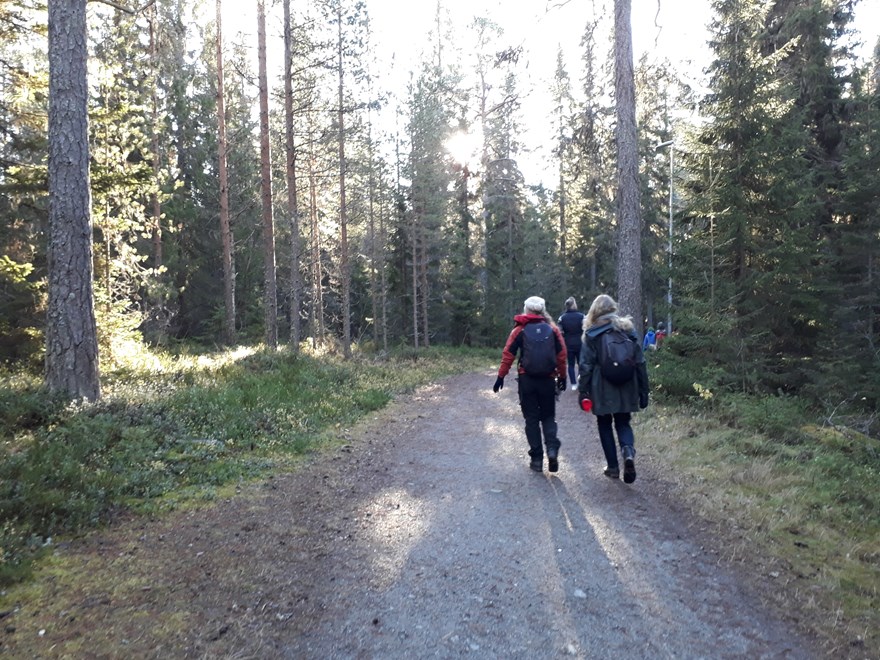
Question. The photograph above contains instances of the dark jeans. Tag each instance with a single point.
(624, 435)
(537, 400)
(573, 358)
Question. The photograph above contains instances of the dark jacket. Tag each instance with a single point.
(609, 398)
(514, 345)
(571, 323)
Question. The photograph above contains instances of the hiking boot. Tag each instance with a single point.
(613, 473)
(629, 465)
(553, 460)
(537, 464)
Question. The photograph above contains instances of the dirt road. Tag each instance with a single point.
(426, 535)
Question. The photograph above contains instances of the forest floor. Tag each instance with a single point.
(422, 533)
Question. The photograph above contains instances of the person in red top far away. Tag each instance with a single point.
(660, 335)
(540, 375)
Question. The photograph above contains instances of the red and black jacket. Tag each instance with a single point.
(514, 346)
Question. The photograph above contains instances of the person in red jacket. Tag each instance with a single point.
(540, 374)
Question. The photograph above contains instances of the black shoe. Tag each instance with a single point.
(553, 460)
(537, 464)
(613, 473)
(629, 465)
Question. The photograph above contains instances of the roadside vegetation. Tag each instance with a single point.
(172, 430)
(791, 488)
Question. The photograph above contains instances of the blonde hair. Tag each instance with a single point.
(604, 305)
(570, 304)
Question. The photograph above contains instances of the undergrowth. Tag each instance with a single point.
(174, 428)
(792, 484)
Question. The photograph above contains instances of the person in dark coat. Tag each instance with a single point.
(613, 405)
(537, 394)
(571, 323)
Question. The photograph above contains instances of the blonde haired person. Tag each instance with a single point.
(613, 403)
(540, 373)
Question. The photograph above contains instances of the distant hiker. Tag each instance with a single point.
(613, 375)
(571, 324)
(649, 343)
(540, 374)
(660, 335)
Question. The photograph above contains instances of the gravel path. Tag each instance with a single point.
(425, 536)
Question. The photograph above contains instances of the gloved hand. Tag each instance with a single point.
(643, 401)
(499, 384)
(560, 384)
(581, 397)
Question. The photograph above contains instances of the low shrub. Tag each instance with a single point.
(176, 427)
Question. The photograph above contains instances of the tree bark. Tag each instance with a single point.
(225, 229)
(292, 202)
(374, 255)
(383, 279)
(343, 220)
(270, 292)
(629, 221)
(415, 278)
(155, 204)
(317, 275)
(71, 333)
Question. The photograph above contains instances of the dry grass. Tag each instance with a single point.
(775, 510)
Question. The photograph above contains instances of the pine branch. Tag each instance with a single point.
(127, 10)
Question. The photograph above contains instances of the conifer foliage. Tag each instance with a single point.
(180, 148)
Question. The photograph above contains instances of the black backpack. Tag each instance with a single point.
(538, 357)
(617, 356)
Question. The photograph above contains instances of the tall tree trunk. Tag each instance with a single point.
(343, 220)
(270, 286)
(155, 205)
(225, 229)
(483, 271)
(424, 298)
(562, 228)
(317, 276)
(71, 332)
(415, 279)
(374, 255)
(382, 278)
(292, 204)
(629, 220)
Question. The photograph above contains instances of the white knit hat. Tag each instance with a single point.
(533, 305)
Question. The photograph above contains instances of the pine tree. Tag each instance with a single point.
(123, 176)
(71, 333)
(23, 202)
(590, 201)
(270, 286)
(223, 182)
(756, 227)
(851, 354)
(629, 217)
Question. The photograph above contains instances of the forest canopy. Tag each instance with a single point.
(348, 212)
